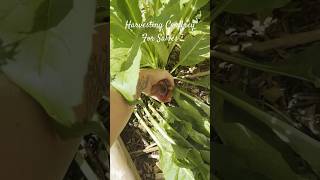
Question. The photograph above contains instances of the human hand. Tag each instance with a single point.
(156, 83)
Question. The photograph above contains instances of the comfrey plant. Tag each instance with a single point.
(143, 35)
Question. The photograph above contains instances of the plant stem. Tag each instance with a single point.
(156, 125)
(204, 73)
(153, 136)
(174, 68)
(286, 41)
(187, 81)
(245, 62)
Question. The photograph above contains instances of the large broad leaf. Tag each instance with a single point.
(131, 55)
(194, 116)
(185, 155)
(301, 143)
(120, 37)
(302, 65)
(117, 57)
(201, 28)
(42, 66)
(171, 11)
(196, 102)
(183, 126)
(204, 81)
(126, 81)
(171, 170)
(255, 153)
(128, 10)
(174, 164)
(163, 54)
(253, 6)
(194, 50)
(191, 7)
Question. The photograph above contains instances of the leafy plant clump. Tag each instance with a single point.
(266, 89)
(181, 129)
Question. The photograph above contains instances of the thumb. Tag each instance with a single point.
(162, 91)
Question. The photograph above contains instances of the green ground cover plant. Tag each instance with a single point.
(181, 129)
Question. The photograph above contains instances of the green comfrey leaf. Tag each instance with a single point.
(126, 81)
(197, 124)
(205, 155)
(204, 81)
(205, 13)
(171, 11)
(146, 60)
(190, 8)
(120, 37)
(185, 128)
(200, 139)
(171, 170)
(157, 4)
(117, 57)
(201, 28)
(132, 55)
(190, 158)
(255, 154)
(163, 54)
(183, 2)
(178, 160)
(196, 102)
(128, 10)
(307, 70)
(42, 64)
(194, 50)
(300, 158)
(50, 13)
